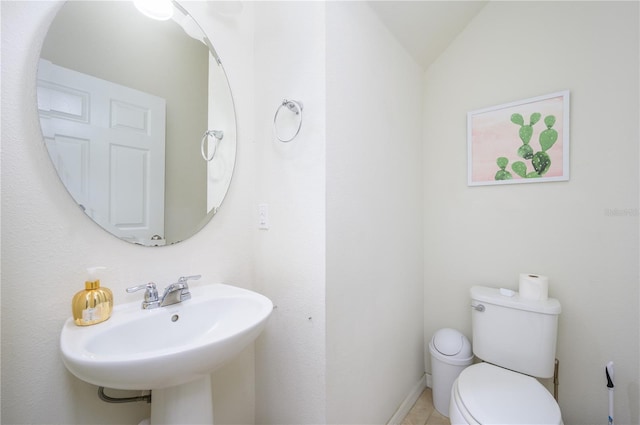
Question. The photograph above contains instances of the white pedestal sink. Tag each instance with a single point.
(171, 350)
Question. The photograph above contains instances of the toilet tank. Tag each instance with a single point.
(514, 333)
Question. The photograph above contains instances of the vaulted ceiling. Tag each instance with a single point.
(426, 27)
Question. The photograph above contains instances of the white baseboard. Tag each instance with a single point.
(429, 380)
(409, 401)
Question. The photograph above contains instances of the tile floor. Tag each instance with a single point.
(423, 412)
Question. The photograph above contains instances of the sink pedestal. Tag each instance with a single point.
(189, 403)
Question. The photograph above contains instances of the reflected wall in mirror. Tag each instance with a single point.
(125, 103)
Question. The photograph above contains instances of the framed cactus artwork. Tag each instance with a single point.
(526, 141)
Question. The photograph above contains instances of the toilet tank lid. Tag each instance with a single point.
(494, 296)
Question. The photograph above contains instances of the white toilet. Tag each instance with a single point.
(516, 338)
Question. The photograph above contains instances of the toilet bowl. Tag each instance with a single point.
(488, 394)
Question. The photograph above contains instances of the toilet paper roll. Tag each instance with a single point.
(534, 286)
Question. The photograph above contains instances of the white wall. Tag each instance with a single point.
(487, 235)
(290, 260)
(47, 242)
(374, 222)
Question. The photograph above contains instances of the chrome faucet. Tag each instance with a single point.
(177, 292)
(173, 294)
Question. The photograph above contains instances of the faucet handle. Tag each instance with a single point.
(184, 279)
(150, 294)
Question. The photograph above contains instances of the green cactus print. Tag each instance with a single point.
(540, 161)
(503, 174)
(549, 136)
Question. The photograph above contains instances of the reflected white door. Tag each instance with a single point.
(107, 143)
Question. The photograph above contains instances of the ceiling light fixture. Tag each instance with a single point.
(161, 10)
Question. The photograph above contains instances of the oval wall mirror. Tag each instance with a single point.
(138, 119)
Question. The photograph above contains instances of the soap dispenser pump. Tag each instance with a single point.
(93, 304)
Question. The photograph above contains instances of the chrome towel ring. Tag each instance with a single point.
(295, 107)
(218, 135)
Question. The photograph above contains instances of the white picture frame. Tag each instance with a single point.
(526, 141)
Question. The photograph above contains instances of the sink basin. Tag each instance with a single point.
(140, 349)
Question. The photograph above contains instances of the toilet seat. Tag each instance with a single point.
(488, 394)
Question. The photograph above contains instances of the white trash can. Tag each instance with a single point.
(450, 354)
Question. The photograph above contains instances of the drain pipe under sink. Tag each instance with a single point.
(108, 399)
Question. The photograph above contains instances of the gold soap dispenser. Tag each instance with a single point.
(94, 304)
